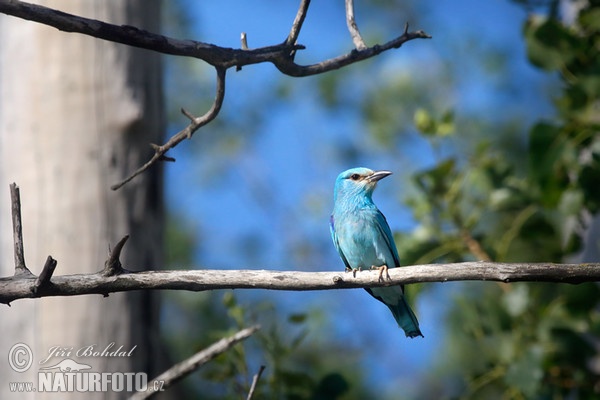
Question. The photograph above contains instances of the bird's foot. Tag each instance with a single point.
(353, 270)
(382, 269)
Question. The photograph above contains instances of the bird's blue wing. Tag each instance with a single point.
(386, 233)
(336, 243)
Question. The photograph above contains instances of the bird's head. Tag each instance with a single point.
(357, 183)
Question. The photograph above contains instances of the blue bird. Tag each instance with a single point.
(364, 239)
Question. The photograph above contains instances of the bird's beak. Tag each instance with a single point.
(377, 175)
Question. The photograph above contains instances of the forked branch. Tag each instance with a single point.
(281, 55)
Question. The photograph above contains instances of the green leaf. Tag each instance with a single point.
(297, 318)
(435, 181)
(589, 181)
(424, 122)
(590, 19)
(546, 146)
(526, 372)
(427, 124)
(571, 202)
(516, 300)
(550, 45)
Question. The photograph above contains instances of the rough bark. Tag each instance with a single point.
(12, 289)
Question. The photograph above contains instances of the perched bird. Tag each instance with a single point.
(364, 240)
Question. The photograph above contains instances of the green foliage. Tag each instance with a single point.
(533, 341)
(489, 196)
(294, 368)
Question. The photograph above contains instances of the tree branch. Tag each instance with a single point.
(14, 288)
(222, 58)
(132, 36)
(15, 202)
(217, 56)
(297, 24)
(186, 367)
(288, 67)
(255, 382)
(186, 133)
(352, 27)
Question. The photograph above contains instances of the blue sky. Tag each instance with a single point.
(292, 162)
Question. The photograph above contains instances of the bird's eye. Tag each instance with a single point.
(354, 177)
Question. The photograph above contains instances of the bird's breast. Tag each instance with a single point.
(361, 242)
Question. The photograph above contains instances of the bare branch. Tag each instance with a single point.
(352, 27)
(186, 367)
(255, 382)
(15, 200)
(297, 24)
(223, 57)
(290, 68)
(132, 36)
(13, 288)
(197, 122)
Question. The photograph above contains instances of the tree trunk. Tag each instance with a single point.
(76, 115)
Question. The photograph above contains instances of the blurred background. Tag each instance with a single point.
(491, 131)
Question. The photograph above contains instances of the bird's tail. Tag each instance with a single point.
(406, 318)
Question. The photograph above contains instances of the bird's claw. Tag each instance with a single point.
(382, 269)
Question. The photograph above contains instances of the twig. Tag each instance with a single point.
(15, 200)
(184, 368)
(352, 27)
(255, 382)
(474, 245)
(44, 279)
(197, 122)
(13, 288)
(244, 41)
(297, 24)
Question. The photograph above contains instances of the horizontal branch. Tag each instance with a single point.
(14, 288)
(281, 55)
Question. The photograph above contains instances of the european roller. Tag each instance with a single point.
(364, 239)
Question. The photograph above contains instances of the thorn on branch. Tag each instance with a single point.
(15, 199)
(113, 266)
(43, 279)
(166, 158)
